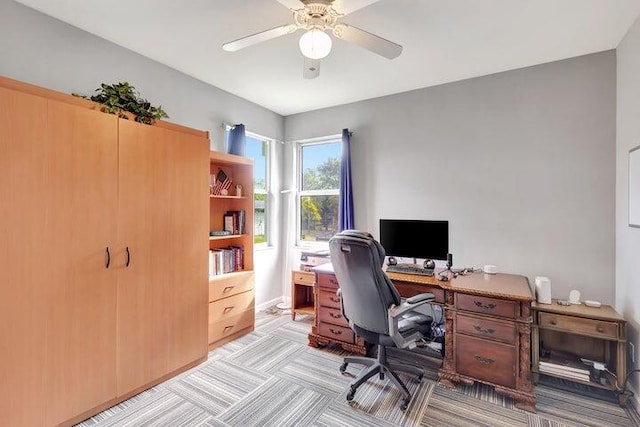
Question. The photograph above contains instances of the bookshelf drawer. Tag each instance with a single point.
(329, 299)
(332, 315)
(230, 325)
(579, 325)
(327, 281)
(485, 305)
(230, 284)
(486, 328)
(229, 307)
(304, 278)
(334, 332)
(485, 360)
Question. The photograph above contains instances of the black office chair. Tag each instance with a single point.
(374, 310)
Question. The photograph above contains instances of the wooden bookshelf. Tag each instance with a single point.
(231, 295)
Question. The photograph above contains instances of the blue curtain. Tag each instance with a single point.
(345, 205)
(237, 140)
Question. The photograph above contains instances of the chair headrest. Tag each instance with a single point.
(364, 235)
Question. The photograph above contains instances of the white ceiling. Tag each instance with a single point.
(443, 40)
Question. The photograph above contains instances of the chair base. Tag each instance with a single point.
(380, 366)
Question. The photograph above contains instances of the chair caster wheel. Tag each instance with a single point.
(419, 379)
(343, 367)
(350, 396)
(405, 405)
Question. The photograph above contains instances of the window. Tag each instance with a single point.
(257, 148)
(319, 189)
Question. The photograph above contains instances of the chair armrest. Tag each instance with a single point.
(427, 296)
(395, 313)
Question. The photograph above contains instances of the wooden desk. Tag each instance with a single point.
(487, 328)
(593, 333)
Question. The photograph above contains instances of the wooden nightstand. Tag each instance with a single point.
(302, 292)
(597, 334)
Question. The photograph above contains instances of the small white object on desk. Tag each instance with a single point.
(490, 269)
(543, 289)
(574, 297)
(590, 303)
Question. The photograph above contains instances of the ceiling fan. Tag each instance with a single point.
(317, 18)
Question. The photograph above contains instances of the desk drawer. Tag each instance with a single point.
(304, 278)
(327, 281)
(329, 299)
(579, 325)
(335, 332)
(332, 315)
(407, 290)
(485, 360)
(486, 305)
(486, 328)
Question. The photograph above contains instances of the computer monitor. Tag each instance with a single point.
(415, 238)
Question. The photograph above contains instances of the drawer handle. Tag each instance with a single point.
(333, 282)
(227, 289)
(338, 332)
(485, 306)
(228, 328)
(600, 329)
(483, 360)
(484, 331)
(335, 316)
(334, 299)
(228, 309)
(553, 322)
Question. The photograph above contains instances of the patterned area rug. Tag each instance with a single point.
(271, 377)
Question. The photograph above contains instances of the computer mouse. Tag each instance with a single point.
(443, 278)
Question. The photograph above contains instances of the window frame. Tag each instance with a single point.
(301, 193)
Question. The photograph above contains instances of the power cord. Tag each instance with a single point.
(627, 393)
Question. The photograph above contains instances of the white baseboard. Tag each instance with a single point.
(268, 304)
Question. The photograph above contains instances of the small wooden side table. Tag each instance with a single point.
(302, 292)
(597, 334)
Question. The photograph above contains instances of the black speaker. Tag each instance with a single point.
(429, 264)
(392, 261)
(449, 260)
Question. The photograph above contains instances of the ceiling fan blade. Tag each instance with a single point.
(291, 4)
(311, 68)
(346, 7)
(258, 37)
(369, 41)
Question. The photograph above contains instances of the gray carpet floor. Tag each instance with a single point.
(271, 377)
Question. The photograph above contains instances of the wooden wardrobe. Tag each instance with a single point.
(103, 255)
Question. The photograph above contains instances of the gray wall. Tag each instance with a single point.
(627, 238)
(38, 49)
(521, 163)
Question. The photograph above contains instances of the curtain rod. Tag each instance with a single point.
(226, 126)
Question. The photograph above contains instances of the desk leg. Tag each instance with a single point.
(445, 376)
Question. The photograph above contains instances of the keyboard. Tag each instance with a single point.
(409, 269)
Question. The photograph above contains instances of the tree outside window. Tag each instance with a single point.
(319, 178)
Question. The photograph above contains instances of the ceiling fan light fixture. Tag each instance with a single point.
(315, 44)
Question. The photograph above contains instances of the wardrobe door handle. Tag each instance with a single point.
(128, 257)
(108, 256)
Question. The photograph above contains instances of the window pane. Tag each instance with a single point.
(256, 149)
(318, 217)
(259, 218)
(321, 166)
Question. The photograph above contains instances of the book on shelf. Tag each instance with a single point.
(235, 221)
(226, 260)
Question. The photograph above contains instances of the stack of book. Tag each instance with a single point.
(226, 260)
(234, 221)
(565, 365)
